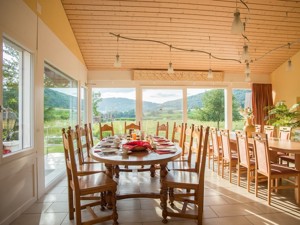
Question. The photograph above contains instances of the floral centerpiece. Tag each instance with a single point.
(248, 116)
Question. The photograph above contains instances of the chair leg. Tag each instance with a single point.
(114, 207)
(269, 190)
(239, 176)
(163, 202)
(248, 179)
(256, 183)
(77, 210)
(71, 203)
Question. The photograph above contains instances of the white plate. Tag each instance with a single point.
(108, 150)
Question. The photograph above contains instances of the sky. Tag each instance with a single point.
(150, 95)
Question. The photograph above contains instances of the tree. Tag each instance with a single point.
(96, 99)
(214, 107)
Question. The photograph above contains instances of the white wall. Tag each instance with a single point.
(22, 174)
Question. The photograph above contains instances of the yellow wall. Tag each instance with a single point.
(53, 14)
(286, 84)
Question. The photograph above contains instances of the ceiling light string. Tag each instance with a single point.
(174, 47)
(170, 68)
(117, 63)
(210, 74)
(289, 62)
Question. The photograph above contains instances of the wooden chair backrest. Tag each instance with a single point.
(205, 135)
(132, 126)
(257, 128)
(225, 143)
(177, 133)
(243, 148)
(215, 141)
(162, 128)
(82, 144)
(188, 141)
(71, 164)
(285, 133)
(197, 145)
(90, 132)
(89, 138)
(67, 156)
(261, 151)
(105, 128)
(269, 130)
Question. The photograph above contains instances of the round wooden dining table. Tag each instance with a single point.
(138, 158)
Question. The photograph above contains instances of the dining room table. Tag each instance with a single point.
(113, 157)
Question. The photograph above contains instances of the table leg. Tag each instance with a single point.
(109, 172)
(163, 171)
(297, 166)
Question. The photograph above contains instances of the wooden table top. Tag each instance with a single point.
(147, 157)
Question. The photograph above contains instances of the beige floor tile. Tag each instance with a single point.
(273, 219)
(234, 210)
(58, 207)
(54, 198)
(38, 207)
(128, 204)
(40, 219)
(150, 203)
(215, 200)
(236, 220)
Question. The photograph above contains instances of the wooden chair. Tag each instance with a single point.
(192, 182)
(132, 126)
(228, 158)
(106, 129)
(244, 159)
(272, 171)
(285, 134)
(85, 186)
(83, 148)
(177, 134)
(269, 130)
(162, 128)
(191, 165)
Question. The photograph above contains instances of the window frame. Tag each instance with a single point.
(25, 105)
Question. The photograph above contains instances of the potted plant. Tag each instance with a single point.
(281, 115)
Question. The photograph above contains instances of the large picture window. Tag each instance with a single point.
(115, 105)
(17, 98)
(161, 105)
(60, 111)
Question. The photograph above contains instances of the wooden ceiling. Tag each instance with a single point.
(190, 24)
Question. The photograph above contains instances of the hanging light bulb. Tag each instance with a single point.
(170, 68)
(210, 74)
(247, 78)
(245, 55)
(289, 65)
(237, 25)
(117, 63)
(247, 70)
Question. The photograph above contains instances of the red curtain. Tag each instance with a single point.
(261, 97)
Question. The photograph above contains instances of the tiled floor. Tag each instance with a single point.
(224, 203)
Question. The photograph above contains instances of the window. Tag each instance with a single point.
(17, 98)
(241, 98)
(206, 107)
(161, 105)
(115, 105)
(60, 111)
